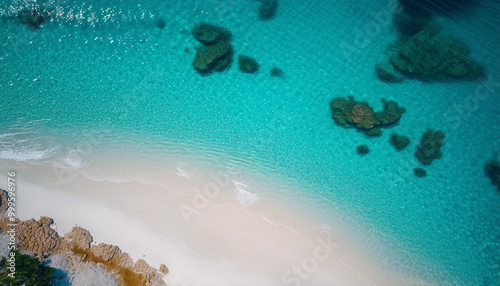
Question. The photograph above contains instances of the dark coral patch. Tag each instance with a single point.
(209, 34)
(399, 141)
(492, 171)
(433, 56)
(430, 145)
(420, 172)
(216, 57)
(349, 112)
(267, 9)
(35, 17)
(247, 64)
(362, 150)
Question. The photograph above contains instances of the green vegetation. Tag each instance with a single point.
(28, 271)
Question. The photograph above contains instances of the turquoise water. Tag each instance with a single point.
(102, 77)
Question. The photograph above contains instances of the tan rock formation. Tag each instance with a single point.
(33, 236)
(38, 237)
(163, 269)
(105, 251)
(3, 202)
(78, 237)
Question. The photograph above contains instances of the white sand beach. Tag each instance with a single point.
(202, 243)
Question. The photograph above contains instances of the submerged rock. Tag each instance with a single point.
(216, 57)
(399, 141)
(492, 171)
(34, 18)
(161, 24)
(362, 150)
(420, 172)
(430, 55)
(374, 132)
(425, 8)
(267, 9)
(408, 24)
(387, 73)
(349, 112)
(209, 34)
(390, 114)
(277, 72)
(247, 64)
(429, 148)
(217, 52)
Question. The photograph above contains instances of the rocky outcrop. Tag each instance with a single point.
(4, 202)
(34, 236)
(105, 251)
(163, 269)
(349, 112)
(39, 238)
(141, 266)
(78, 237)
(429, 148)
(492, 171)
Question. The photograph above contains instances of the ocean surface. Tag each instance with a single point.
(101, 85)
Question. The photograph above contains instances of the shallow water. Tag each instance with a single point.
(103, 81)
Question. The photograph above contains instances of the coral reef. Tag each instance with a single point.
(247, 64)
(431, 56)
(209, 34)
(267, 9)
(429, 148)
(349, 112)
(420, 172)
(277, 72)
(399, 141)
(492, 171)
(216, 57)
(362, 150)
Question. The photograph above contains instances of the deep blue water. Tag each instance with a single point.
(103, 69)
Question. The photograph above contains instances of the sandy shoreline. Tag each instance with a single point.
(202, 243)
